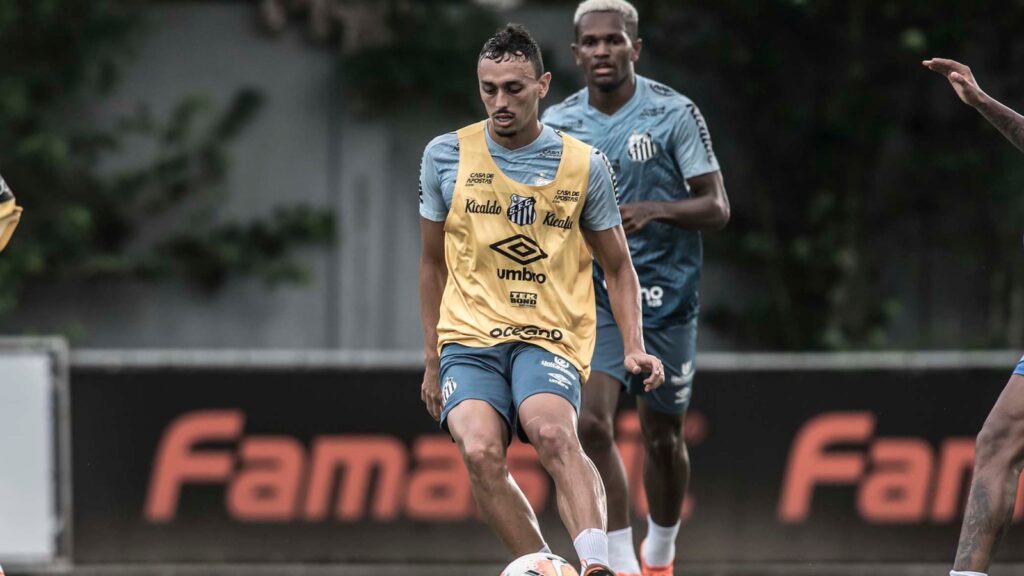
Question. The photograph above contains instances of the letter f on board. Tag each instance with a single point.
(810, 464)
(177, 463)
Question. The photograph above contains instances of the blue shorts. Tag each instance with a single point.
(1020, 367)
(675, 346)
(504, 376)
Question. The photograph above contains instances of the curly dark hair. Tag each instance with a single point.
(513, 42)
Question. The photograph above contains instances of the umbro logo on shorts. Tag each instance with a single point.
(559, 379)
(686, 372)
(683, 396)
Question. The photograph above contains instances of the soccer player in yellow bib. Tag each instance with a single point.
(10, 214)
(512, 214)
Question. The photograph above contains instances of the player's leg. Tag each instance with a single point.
(478, 413)
(546, 389)
(666, 460)
(597, 434)
(482, 436)
(666, 476)
(999, 458)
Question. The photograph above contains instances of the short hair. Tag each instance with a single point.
(621, 7)
(511, 42)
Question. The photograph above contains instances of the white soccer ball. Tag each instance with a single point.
(539, 564)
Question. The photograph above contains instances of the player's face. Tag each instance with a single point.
(604, 50)
(511, 93)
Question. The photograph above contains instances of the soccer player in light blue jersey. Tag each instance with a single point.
(670, 189)
(999, 453)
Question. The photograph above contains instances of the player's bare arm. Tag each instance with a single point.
(612, 253)
(1008, 122)
(433, 276)
(706, 209)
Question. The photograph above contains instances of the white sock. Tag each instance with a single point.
(621, 553)
(965, 573)
(592, 547)
(545, 550)
(659, 547)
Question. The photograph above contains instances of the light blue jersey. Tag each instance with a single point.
(655, 142)
(534, 164)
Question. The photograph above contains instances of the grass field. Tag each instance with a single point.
(494, 569)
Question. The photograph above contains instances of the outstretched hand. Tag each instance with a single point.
(641, 363)
(960, 77)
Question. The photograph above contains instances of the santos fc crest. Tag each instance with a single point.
(522, 210)
(641, 147)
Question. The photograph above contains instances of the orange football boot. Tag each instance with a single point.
(654, 570)
(597, 570)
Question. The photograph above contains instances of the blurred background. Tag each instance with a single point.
(221, 215)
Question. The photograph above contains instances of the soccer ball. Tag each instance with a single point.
(539, 564)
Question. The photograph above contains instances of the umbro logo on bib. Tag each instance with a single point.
(522, 210)
(641, 147)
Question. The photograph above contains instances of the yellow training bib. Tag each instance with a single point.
(519, 268)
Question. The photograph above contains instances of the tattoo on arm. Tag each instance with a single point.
(1008, 122)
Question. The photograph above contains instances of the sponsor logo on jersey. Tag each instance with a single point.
(522, 299)
(613, 170)
(522, 275)
(479, 178)
(661, 89)
(652, 296)
(527, 333)
(474, 207)
(562, 196)
(552, 220)
(641, 147)
(554, 153)
(652, 112)
(702, 128)
(522, 210)
(541, 179)
(519, 249)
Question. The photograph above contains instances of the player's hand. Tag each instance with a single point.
(641, 363)
(960, 77)
(430, 390)
(635, 216)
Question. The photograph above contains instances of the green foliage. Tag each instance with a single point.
(849, 156)
(85, 215)
(429, 61)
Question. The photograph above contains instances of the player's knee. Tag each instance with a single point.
(1000, 442)
(554, 441)
(484, 459)
(665, 445)
(597, 434)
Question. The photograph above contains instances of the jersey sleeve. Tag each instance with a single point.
(550, 117)
(601, 208)
(432, 204)
(692, 142)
